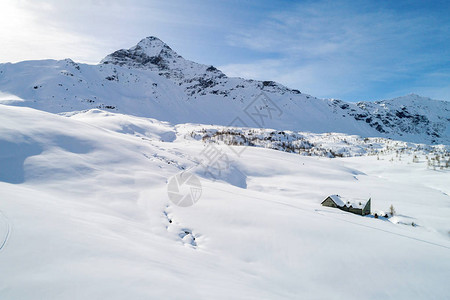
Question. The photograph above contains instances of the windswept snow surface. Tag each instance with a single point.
(84, 199)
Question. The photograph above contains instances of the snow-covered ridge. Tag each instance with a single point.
(152, 80)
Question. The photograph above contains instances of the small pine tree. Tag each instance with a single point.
(392, 210)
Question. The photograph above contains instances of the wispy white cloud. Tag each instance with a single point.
(87, 30)
(340, 48)
(25, 35)
(317, 79)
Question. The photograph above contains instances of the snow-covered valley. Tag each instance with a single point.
(85, 214)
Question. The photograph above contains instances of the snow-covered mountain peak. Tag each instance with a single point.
(153, 54)
(149, 52)
(411, 99)
(153, 46)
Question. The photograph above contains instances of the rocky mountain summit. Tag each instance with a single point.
(153, 54)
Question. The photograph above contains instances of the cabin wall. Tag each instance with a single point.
(357, 211)
(366, 209)
(328, 202)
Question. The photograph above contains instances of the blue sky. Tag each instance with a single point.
(351, 50)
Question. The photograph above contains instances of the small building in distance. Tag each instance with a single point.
(356, 206)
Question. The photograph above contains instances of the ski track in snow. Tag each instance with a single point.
(5, 220)
(186, 235)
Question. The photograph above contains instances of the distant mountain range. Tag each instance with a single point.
(152, 80)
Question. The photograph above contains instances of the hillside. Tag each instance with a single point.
(152, 80)
(84, 213)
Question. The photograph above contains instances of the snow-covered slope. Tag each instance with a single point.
(152, 80)
(312, 144)
(84, 214)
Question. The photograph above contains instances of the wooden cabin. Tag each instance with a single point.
(356, 206)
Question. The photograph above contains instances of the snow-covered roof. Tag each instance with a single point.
(344, 201)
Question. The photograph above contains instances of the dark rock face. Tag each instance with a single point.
(388, 117)
(197, 79)
(211, 69)
(137, 57)
(386, 121)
